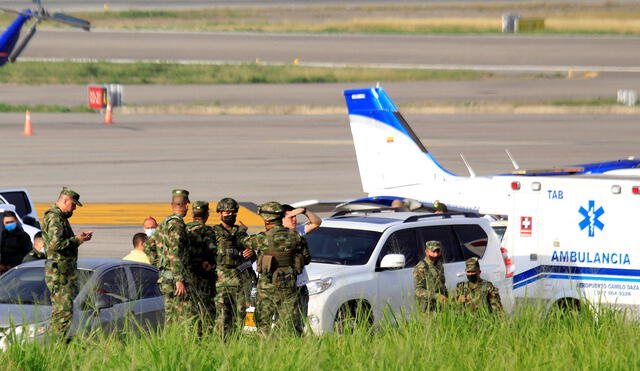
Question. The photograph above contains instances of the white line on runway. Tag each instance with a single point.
(402, 66)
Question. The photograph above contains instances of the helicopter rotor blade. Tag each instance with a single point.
(23, 43)
(71, 21)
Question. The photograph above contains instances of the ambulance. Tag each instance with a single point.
(574, 240)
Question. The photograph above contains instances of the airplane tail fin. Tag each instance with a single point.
(9, 37)
(389, 153)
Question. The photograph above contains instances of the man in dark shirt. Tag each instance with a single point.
(37, 253)
(15, 243)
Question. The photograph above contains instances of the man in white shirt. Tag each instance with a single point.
(137, 254)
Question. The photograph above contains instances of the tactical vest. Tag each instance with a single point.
(229, 252)
(476, 299)
(281, 267)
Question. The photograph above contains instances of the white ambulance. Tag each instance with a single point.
(575, 239)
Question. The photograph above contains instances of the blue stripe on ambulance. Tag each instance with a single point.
(574, 273)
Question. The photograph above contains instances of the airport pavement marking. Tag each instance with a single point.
(134, 214)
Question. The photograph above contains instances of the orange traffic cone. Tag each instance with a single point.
(108, 115)
(28, 126)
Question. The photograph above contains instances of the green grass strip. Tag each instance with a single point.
(449, 340)
(171, 73)
(41, 108)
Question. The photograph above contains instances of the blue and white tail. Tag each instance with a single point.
(391, 158)
(10, 36)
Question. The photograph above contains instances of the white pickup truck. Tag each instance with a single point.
(366, 260)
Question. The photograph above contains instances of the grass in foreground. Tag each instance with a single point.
(450, 340)
(251, 73)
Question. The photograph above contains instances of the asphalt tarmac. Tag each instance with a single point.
(507, 89)
(259, 158)
(499, 52)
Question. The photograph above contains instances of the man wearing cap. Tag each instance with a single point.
(428, 278)
(233, 268)
(282, 254)
(61, 247)
(167, 249)
(477, 294)
(202, 259)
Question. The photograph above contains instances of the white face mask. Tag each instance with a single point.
(149, 231)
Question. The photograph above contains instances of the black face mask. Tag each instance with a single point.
(473, 278)
(229, 219)
(67, 214)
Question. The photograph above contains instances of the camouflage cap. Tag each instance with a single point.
(200, 207)
(181, 193)
(433, 245)
(472, 265)
(75, 197)
(227, 204)
(440, 206)
(271, 211)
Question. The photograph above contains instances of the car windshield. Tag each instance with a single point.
(27, 286)
(342, 246)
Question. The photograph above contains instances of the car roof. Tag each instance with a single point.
(380, 221)
(89, 263)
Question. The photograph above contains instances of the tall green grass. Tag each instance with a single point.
(449, 340)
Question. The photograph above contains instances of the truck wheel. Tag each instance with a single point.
(353, 315)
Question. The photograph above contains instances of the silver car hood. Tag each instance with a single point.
(15, 314)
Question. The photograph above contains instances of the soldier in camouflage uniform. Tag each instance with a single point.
(167, 249)
(61, 247)
(428, 279)
(233, 268)
(202, 258)
(282, 254)
(477, 294)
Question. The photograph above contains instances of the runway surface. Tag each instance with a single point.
(491, 90)
(276, 157)
(501, 52)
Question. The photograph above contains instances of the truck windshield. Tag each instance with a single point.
(27, 286)
(342, 246)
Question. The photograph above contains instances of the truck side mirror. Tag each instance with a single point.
(393, 261)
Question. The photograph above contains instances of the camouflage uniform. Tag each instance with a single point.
(282, 254)
(61, 247)
(167, 249)
(477, 296)
(428, 280)
(202, 249)
(231, 301)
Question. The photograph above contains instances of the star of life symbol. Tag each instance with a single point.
(591, 218)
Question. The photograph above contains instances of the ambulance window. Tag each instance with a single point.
(473, 240)
(403, 242)
(451, 251)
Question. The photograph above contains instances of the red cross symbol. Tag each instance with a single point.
(526, 223)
